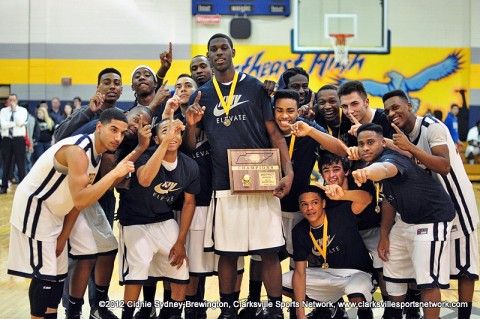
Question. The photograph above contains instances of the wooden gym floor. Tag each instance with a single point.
(14, 290)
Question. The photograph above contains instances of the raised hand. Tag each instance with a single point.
(195, 112)
(400, 139)
(334, 191)
(125, 166)
(96, 102)
(356, 124)
(300, 128)
(353, 153)
(270, 87)
(144, 133)
(166, 58)
(172, 106)
(306, 111)
(160, 96)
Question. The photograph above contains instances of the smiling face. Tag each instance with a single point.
(143, 82)
(111, 86)
(312, 207)
(220, 54)
(184, 88)
(333, 174)
(162, 131)
(299, 83)
(370, 145)
(133, 118)
(398, 111)
(329, 106)
(286, 113)
(356, 105)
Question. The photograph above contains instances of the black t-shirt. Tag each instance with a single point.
(305, 152)
(250, 108)
(346, 249)
(415, 194)
(144, 205)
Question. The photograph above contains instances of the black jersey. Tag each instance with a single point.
(250, 108)
(144, 205)
(346, 249)
(416, 195)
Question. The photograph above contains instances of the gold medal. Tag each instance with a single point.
(325, 265)
(322, 250)
(377, 209)
(227, 121)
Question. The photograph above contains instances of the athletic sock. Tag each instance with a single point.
(51, 315)
(228, 298)
(254, 290)
(465, 312)
(176, 309)
(149, 294)
(101, 293)
(74, 305)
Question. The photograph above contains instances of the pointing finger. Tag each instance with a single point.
(353, 119)
(199, 96)
(140, 121)
(321, 186)
(127, 158)
(162, 87)
(398, 130)
(170, 48)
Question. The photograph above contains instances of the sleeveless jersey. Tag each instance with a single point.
(43, 198)
(429, 132)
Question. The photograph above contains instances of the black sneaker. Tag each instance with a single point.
(164, 313)
(320, 313)
(102, 313)
(190, 313)
(146, 313)
(251, 312)
(74, 316)
(228, 313)
(175, 317)
(412, 313)
(274, 313)
(202, 312)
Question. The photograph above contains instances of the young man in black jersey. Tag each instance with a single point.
(329, 237)
(245, 122)
(146, 216)
(421, 233)
(431, 144)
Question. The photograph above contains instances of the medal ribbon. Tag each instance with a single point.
(226, 106)
(290, 148)
(323, 251)
(339, 124)
(377, 192)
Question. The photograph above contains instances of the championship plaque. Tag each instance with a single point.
(254, 170)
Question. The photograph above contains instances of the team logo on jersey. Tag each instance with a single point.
(91, 177)
(166, 187)
(320, 243)
(422, 231)
(218, 109)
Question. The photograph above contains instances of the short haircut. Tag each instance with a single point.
(350, 87)
(184, 75)
(312, 189)
(454, 105)
(401, 94)
(327, 158)
(327, 87)
(141, 109)
(370, 127)
(112, 114)
(159, 124)
(107, 70)
(292, 72)
(287, 94)
(222, 36)
(77, 98)
(13, 94)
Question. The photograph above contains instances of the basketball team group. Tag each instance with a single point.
(392, 208)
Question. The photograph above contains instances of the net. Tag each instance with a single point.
(340, 47)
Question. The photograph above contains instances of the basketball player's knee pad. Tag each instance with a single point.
(55, 295)
(38, 294)
(396, 288)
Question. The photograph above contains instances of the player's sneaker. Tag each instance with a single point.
(274, 313)
(251, 312)
(146, 313)
(102, 313)
(228, 313)
(202, 312)
(190, 313)
(320, 313)
(413, 313)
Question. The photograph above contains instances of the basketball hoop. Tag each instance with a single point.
(340, 47)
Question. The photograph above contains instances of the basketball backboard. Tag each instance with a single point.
(316, 20)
